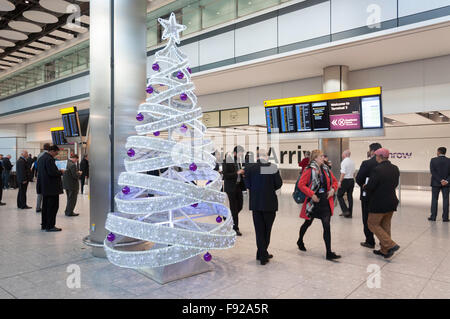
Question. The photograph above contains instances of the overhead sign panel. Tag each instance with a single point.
(337, 111)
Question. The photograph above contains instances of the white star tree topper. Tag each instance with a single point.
(171, 28)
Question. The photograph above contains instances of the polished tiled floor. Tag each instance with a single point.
(33, 264)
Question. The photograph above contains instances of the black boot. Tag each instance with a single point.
(331, 255)
(301, 245)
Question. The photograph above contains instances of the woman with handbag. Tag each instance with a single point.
(319, 185)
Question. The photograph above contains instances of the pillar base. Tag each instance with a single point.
(187, 268)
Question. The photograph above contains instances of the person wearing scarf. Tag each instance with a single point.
(319, 185)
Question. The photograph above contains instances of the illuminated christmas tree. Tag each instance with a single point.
(178, 208)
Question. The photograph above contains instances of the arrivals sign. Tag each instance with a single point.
(338, 111)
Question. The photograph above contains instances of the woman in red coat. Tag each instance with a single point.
(319, 185)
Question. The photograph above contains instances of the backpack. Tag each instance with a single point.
(298, 195)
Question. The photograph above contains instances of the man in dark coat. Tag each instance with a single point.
(23, 174)
(1, 180)
(50, 186)
(234, 184)
(440, 182)
(30, 165)
(383, 201)
(71, 184)
(364, 172)
(84, 168)
(262, 179)
(7, 167)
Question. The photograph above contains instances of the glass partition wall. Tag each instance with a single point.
(197, 15)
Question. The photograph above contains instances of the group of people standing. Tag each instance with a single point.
(51, 181)
(377, 178)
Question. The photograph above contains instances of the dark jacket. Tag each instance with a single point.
(230, 177)
(70, 177)
(381, 188)
(84, 167)
(49, 177)
(29, 162)
(7, 164)
(440, 169)
(23, 172)
(262, 180)
(365, 171)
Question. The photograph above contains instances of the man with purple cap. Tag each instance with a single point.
(383, 201)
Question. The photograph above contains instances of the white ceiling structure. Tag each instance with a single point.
(29, 28)
(385, 48)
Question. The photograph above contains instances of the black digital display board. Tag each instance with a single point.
(320, 116)
(287, 117)
(58, 138)
(71, 123)
(303, 116)
(273, 119)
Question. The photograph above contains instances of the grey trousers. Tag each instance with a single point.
(71, 200)
(39, 202)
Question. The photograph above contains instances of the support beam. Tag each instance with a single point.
(118, 80)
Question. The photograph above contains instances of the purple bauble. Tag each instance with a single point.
(140, 117)
(156, 133)
(183, 96)
(180, 75)
(149, 90)
(131, 152)
(155, 67)
(183, 128)
(219, 219)
(111, 237)
(193, 167)
(194, 205)
(207, 257)
(189, 70)
(126, 190)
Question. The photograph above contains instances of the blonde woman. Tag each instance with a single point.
(319, 185)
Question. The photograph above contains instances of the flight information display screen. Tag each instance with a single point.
(287, 117)
(71, 124)
(371, 112)
(303, 115)
(273, 119)
(320, 116)
(58, 138)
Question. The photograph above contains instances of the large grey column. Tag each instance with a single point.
(117, 87)
(335, 79)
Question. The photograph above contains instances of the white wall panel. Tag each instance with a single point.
(192, 52)
(40, 132)
(256, 37)
(408, 7)
(309, 23)
(351, 14)
(217, 48)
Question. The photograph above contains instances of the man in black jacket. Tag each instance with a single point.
(1, 180)
(364, 172)
(23, 174)
(383, 201)
(440, 182)
(50, 186)
(71, 184)
(7, 167)
(262, 180)
(234, 184)
(84, 168)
